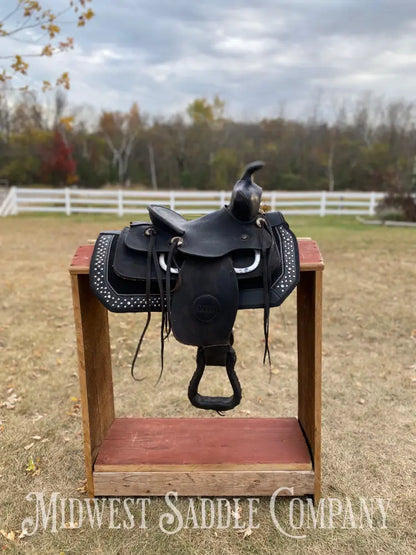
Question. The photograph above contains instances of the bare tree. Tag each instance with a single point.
(120, 131)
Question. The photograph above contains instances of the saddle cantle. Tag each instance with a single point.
(198, 273)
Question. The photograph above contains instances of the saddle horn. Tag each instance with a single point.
(246, 196)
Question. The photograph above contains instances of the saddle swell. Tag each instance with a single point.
(246, 196)
(198, 273)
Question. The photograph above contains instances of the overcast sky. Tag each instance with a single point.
(263, 57)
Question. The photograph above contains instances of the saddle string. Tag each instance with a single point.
(265, 254)
(149, 313)
(166, 325)
(163, 325)
(171, 258)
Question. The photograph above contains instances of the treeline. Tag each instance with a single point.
(368, 146)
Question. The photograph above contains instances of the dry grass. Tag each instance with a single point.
(368, 388)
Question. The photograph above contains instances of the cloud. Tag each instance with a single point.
(256, 56)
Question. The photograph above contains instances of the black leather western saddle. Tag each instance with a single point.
(198, 273)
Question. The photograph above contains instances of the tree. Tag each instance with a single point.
(58, 167)
(201, 111)
(5, 124)
(90, 153)
(32, 25)
(120, 132)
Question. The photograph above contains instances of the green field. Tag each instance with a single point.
(368, 399)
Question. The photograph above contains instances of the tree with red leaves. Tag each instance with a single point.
(58, 166)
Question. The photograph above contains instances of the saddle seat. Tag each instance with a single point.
(210, 236)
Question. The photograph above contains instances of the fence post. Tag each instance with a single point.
(273, 201)
(222, 198)
(67, 201)
(323, 204)
(372, 205)
(172, 200)
(14, 201)
(6, 206)
(120, 210)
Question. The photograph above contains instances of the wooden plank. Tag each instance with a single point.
(80, 263)
(188, 467)
(94, 369)
(245, 483)
(309, 327)
(309, 256)
(135, 444)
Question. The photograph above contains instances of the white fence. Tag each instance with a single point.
(121, 202)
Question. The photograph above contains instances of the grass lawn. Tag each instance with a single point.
(368, 399)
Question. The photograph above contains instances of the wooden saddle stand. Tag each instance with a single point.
(240, 456)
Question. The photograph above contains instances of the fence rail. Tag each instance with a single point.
(121, 202)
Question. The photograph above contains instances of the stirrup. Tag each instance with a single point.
(215, 356)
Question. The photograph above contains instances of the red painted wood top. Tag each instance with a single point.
(309, 255)
(135, 444)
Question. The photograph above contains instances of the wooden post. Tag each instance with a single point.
(309, 336)
(95, 374)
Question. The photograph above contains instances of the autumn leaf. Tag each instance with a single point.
(23, 534)
(82, 488)
(30, 7)
(75, 409)
(67, 122)
(63, 80)
(19, 65)
(71, 525)
(8, 535)
(10, 402)
(32, 467)
(65, 45)
(246, 532)
(52, 29)
(46, 86)
(47, 50)
(4, 77)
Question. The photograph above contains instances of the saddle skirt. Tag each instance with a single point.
(198, 273)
